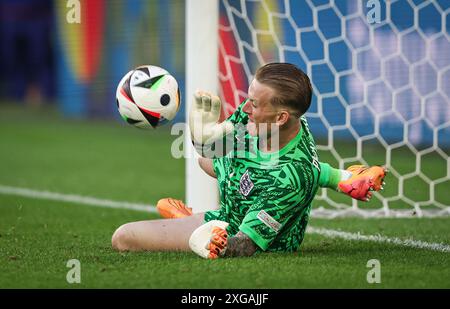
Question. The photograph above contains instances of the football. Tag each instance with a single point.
(148, 96)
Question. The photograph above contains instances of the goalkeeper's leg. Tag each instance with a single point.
(363, 180)
(171, 208)
(357, 181)
(157, 235)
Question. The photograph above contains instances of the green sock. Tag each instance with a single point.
(329, 177)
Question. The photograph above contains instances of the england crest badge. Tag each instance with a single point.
(246, 184)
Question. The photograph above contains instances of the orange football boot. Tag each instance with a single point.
(170, 208)
(363, 180)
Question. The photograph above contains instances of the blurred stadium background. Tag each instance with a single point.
(382, 95)
(78, 65)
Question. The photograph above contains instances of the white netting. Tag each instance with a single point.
(382, 90)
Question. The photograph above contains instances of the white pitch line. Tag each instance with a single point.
(73, 198)
(92, 201)
(411, 243)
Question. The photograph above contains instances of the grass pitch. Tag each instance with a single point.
(111, 160)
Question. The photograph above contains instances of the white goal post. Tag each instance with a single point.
(202, 69)
(381, 79)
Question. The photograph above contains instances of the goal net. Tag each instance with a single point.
(380, 72)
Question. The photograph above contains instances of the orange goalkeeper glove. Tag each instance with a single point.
(218, 243)
(210, 239)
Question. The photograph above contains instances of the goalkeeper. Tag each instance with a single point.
(266, 187)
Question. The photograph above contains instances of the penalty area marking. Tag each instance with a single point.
(92, 201)
(74, 198)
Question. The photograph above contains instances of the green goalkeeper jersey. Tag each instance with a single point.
(267, 196)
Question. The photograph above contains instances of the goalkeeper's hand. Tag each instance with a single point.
(210, 239)
(203, 120)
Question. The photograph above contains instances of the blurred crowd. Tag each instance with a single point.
(26, 55)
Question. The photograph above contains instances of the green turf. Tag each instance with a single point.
(107, 159)
(110, 160)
